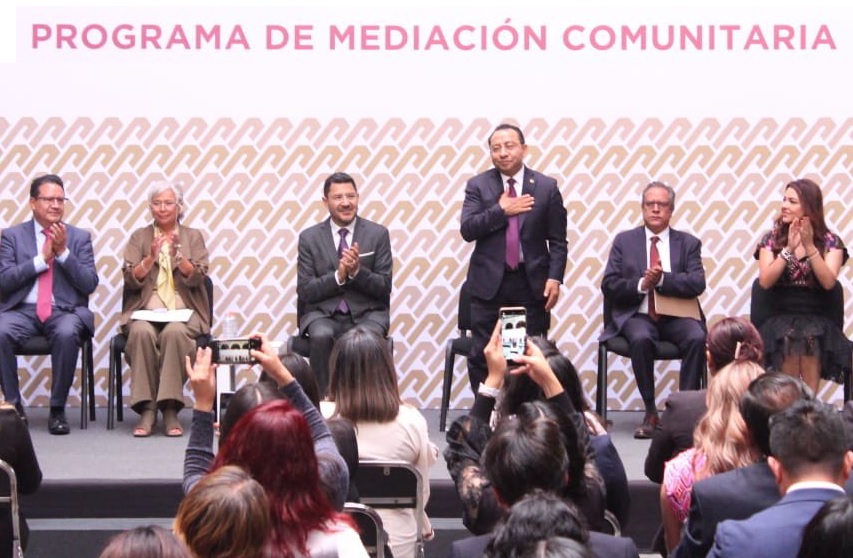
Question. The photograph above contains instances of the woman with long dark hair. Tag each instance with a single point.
(799, 259)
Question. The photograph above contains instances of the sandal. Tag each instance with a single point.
(172, 424)
(147, 420)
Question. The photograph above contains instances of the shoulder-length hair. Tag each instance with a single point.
(273, 443)
(811, 200)
(225, 515)
(722, 435)
(362, 378)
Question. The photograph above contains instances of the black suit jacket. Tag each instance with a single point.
(602, 546)
(735, 494)
(628, 262)
(367, 294)
(674, 433)
(542, 232)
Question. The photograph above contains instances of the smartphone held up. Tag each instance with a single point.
(513, 332)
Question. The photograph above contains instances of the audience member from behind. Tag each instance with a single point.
(799, 259)
(301, 370)
(16, 449)
(145, 542)
(468, 435)
(830, 532)
(520, 388)
(528, 452)
(538, 516)
(811, 464)
(741, 492)
(728, 339)
(165, 265)
(363, 389)
(273, 443)
(722, 442)
(225, 515)
(199, 454)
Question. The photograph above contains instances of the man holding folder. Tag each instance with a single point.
(651, 283)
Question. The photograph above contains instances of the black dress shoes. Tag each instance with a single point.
(647, 429)
(20, 410)
(57, 424)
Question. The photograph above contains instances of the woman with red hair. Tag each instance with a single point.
(273, 443)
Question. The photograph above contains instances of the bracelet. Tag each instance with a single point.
(786, 255)
(488, 391)
(813, 254)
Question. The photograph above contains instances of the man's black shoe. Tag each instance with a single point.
(20, 410)
(57, 423)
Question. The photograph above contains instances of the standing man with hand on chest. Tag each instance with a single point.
(47, 272)
(517, 220)
(643, 262)
(343, 274)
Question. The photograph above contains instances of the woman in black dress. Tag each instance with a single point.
(799, 259)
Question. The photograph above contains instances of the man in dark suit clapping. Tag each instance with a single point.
(343, 274)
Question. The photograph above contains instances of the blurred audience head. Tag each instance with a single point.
(362, 378)
(830, 532)
(733, 339)
(526, 452)
(225, 515)
(766, 395)
(301, 370)
(244, 399)
(535, 518)
(150, 541)
(273, 443)
(808, 443)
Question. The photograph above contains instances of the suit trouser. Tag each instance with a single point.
(643, 335)
(322, 334)
(155, 353)
(63, 330)
(514, 291)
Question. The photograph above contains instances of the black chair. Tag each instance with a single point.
(761, 307)
(39, 345)
(14, 509)
(370, 528)
(393, 485)
(664, 350)
(115, 398)
(460, 345)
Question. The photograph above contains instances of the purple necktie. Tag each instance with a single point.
(343, 307)
(512, 249)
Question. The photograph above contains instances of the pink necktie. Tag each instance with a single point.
(513, 253)
(654, 260)
(343, 307)
(45, 296)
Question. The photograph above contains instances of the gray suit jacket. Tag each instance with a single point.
(625, 267)
(368, 294)
(542, 232)
(73, 281)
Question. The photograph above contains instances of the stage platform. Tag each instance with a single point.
(98, 482)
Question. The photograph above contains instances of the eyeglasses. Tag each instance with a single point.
(659, 205)
(337, 198)
(166, 204)
(51, 200)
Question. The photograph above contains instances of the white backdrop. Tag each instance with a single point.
(251, 131)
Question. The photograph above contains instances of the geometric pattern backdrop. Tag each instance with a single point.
(251, 185)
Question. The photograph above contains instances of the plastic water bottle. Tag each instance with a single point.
(229, 326)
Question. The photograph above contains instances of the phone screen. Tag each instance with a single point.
(513, 332)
